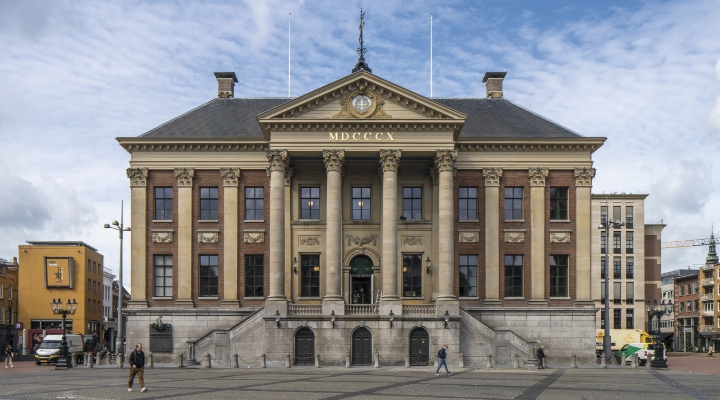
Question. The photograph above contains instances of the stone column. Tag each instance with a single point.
(138, 246)
(390, 301)
(445, 163)
(583, 186)
(435, 250)
(184, 279)
(537, 235)
(333, 300)
(278, 164)
(492, 236)
(231, 178)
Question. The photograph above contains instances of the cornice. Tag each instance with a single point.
(300, 125)
(132, 145)
(522, 144)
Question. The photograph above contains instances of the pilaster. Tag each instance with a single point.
(492, 236)
(537, 235)
(185, 240)
(333, 300)
(277, 166)
(138, 246)
(445, 164)
(231, 178)
(390, 301)
(583, 187)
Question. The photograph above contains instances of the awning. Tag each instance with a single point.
(663, 336)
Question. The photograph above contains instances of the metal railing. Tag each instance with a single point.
(419, 309)
(361, 309)
(707, 297)
(305, 309)
(708, 282)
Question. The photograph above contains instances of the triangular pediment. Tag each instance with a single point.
(362, 97)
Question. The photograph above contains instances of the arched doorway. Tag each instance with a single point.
(362, 347)
(304, 347)
(419, 347)
(361, 287)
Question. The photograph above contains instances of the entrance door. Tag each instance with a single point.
(419, 347)
(362, 347)
(361, 280)
(304, 347)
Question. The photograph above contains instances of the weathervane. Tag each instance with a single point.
(361, 64)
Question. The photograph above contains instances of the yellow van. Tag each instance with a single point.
(620, 337)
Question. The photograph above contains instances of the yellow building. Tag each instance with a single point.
(64, 270)
(8, 301)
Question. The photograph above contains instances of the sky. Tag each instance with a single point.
(74, 75)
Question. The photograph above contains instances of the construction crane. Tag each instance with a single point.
(676, 244)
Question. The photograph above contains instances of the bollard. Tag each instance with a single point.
(461, 363)
(407, 360)
(516, 360)
(85, 358)
(120, 358)
(234, 361)
(262, 361)
(603, 363)
(73, 360)
(347, 359)
(91, 360)
(634, 361)
(648, 361)
(488, 364)
(287, 361)
(206, 361)
(377, 359)
(180, 360)
(622, 359)
(573, 361)
(317, 360)
(151, 364)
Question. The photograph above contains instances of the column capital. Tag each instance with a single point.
(230, 176)
(445, 160)
(288, 175)
(390, 159)
(334, 160)
(584, 176)
(538, 175)
(138, 176)
(184, 176)
(278, 160)
(492, 176)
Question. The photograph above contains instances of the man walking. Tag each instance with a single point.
(540, 357)
(442, 354)
(137, 367)
(8, 356)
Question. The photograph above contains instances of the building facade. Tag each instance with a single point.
(687, 319)
(9, 309)
(667, 322)
(109, 330)
(710, 284)
(360, 218)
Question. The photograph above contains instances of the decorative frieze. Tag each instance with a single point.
(390, 159)
(560, 236)
(184, 176)
(254, 236)
(538, 175)
(333, 159)
(584, 176)
(412, 240)
(208, 236)
(278, 160)
(230, 176)
(138, 176)
(469, 236)
(445, 160)
(309, 241)
(162, 235)
(492, 176)
(362, 241)
(514, 237)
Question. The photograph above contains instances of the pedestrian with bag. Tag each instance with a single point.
(540, 357)
(442, 354)
(137, 367)
(9, 356)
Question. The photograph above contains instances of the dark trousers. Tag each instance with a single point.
(540, 363)
(139, 373)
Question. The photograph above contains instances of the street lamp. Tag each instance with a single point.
(56, 305)
(655, 311)
(120, 228)
(607, 226)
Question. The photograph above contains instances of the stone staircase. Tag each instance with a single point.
(479, 340)
(244, 339)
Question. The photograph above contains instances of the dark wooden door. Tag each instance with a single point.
(362, 347)
(304, 347)
(419, 347)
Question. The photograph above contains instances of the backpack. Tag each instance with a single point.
(440, 353)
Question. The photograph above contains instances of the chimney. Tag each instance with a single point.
(226, 84)
(493, 85)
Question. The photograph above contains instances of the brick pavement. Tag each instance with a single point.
(28, 381)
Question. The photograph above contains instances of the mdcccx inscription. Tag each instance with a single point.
(160, 337)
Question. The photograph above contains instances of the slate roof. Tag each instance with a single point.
(236, 118)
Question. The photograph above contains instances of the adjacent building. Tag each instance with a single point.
(9, 332)
(687, 306)
(667, 322)
(709, 278)
(109, 330)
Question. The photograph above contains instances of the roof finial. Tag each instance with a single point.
(361, 64)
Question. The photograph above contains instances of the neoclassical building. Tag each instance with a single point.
(361, 219)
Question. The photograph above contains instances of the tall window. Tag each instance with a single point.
(310, 275)
(617, 215)
(617, 292)
(513, 203)
(603, 268)
(602, 320)
(208, 275)
(630, 268)
(468, 275)
(513, 276)
(603, 214)
(558, 203)
(616, 243)
(10, 295)
(163, 276)
(254, 203)
(254, 276)
(2, 315)
(89, 265)
(412, 275)
(209, 203)
(682, 307)
(696, 285)
(629, 242)
(361, 203)
(467, 209)
(163, 203)
(1, 290)
(629, 217)
(617, 321)
(617, 267)
(310, 203)
(629, 319)
(412, 203)
(559, 276)
(603, 242)
(682, 290)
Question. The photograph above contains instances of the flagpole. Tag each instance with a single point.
(431, 45)
(289, 20)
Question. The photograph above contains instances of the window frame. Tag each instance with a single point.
(162, 213)
(629, 318)
(629, 217)
(629, 242)
(364, 203)
(209, 206)
(164, 267)
(412, 275)
(511, 265)
(629, 293)
(513, 202)
(253, 200)
(617, 318)
(561, 213)
(617, 242)
(629, 267)
(603, 267)
(413, 202)
(465, 263)
(557, 278)
(309, 200)
(309, 275)
(252, 289)
(205, 274)
(464, 202)
(617, 267)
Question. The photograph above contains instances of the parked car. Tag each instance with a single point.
(643, 350)
(49, 349)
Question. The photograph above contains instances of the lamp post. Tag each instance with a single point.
(120, 228)
(607, 226)
(64, 361)
(655, 311)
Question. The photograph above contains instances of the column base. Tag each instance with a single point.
(137, 304)
(538, 303)
(492, 303)
(276, 306)
(392, 304)
(331, 305)
(184, 303)
(449, 305)
(229, 303)
(585, 303)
